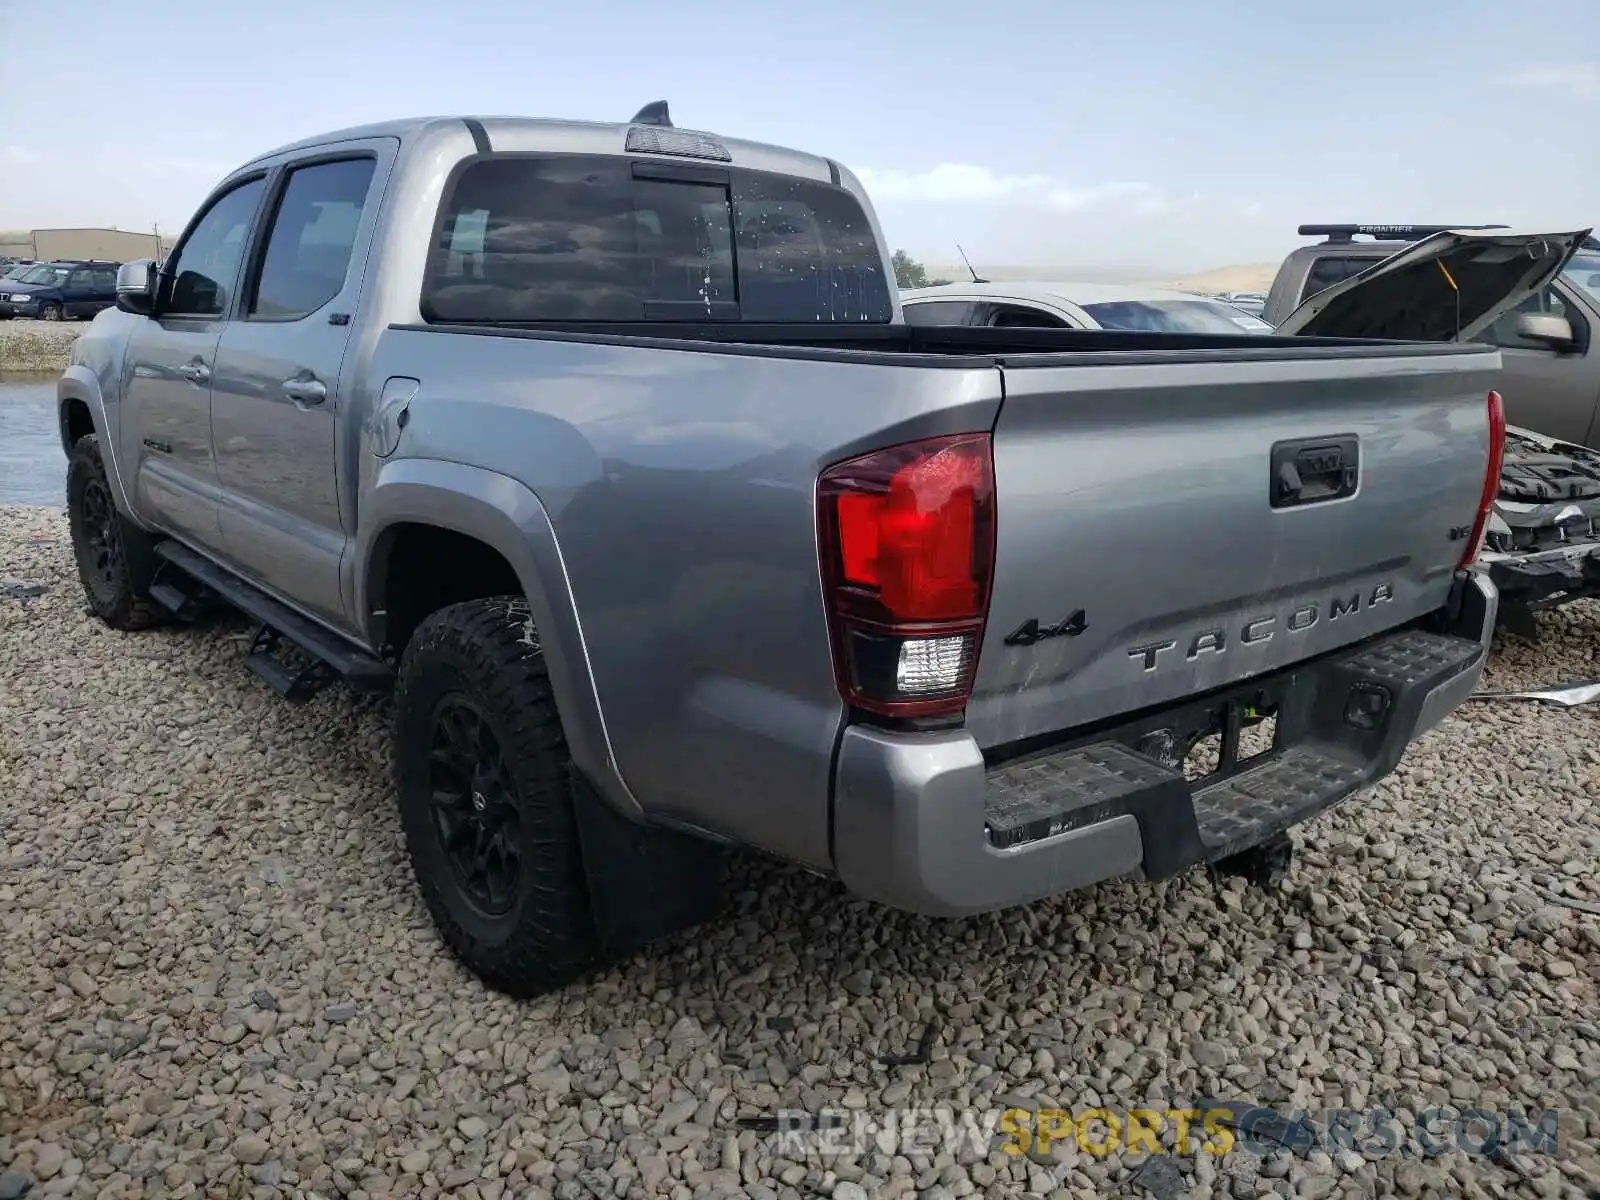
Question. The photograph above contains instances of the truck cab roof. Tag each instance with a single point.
(526, 134)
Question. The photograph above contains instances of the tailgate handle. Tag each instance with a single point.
(1314, 470)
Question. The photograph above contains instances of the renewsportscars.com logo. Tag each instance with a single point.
(1206, 1127)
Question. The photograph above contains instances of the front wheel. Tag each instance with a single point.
(115, 558)
(486, 798)
(50, 312)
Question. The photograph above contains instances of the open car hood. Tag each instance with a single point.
(1444, 288)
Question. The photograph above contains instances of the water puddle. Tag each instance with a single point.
(32, 468)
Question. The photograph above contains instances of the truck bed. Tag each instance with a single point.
(927, 344)
(1133, 476)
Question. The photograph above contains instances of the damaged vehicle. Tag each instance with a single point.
(1543, 543)
(1542, 548)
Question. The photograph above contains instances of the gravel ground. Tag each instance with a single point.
(218, 977)
(37, 345)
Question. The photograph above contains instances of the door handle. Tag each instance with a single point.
(195, 371)
(1314, 470)
(306, 393)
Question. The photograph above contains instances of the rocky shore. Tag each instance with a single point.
(37, 346)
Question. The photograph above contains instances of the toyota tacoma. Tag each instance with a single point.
(606, 448)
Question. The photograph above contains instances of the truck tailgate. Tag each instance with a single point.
(1151, 544)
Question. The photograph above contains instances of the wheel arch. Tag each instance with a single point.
(81, 410)
(491, 518)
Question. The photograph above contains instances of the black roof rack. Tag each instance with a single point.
(1344, 234)
(1384, 233)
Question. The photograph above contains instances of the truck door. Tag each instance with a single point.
(166, 420)
(278, 396)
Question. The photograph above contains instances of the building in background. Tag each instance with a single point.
(113, 245)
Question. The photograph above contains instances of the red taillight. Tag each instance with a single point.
(1491, 477)
(907, 542)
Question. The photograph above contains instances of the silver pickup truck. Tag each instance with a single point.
(606, 446)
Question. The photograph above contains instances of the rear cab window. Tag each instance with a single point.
(1331, 269)
(937, 312)
(570, 238)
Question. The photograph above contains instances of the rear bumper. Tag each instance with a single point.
(923, 823)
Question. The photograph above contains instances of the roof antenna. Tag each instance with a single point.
(654, 113)
(970, 271)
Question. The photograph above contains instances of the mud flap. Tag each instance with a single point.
(645, 882)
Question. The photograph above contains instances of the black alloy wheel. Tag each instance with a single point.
(101, 535)
(475, 812)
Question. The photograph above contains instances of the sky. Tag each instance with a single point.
(1141, 139)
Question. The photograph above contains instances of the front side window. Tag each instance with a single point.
(202, 273)
(1503, 333)
(609, 239)
(1583, 271)
(45, 274)
(312, 238)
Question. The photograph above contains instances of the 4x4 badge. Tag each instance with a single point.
(1030, 631)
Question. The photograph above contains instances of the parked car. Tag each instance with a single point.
(1254, 303)
(16, 268)
(608, 448)
(61, 291)
(1544, 546)
(1550, 366)
(1074, 306)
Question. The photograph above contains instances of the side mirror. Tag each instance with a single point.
(136, 286)
(1548, 330)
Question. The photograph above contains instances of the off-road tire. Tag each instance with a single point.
(51, 312)
(116, 559)
(485, 653)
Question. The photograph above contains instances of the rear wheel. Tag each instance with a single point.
(486, 798)
(116, 559)
(50, 312)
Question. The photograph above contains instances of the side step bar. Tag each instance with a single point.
(330, 654)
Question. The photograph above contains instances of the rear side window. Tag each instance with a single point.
(1015, 316)
(525, 238)
(937, 312)
(313, 233)
(1326, 272)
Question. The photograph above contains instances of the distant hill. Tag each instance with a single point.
(1246, 277)
(1000, 273)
